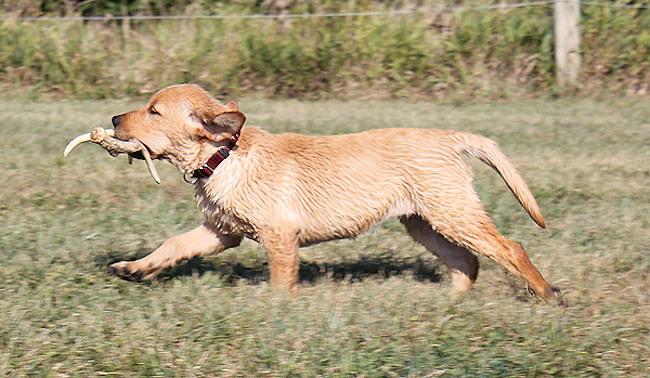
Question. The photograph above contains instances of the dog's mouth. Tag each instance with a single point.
(134, 148)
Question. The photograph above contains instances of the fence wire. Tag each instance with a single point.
(459, 8)
(616, 5)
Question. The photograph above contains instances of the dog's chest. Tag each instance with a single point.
(225, 218)
(220, 203)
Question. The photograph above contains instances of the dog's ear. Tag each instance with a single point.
(217, 123)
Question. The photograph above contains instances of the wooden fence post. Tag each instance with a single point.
(566, 14)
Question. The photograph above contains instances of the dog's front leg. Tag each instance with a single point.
(281, 244)
(201, 241)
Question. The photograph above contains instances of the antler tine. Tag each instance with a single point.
(105, 138)
(96, 135)
(150, 166)
(75, 142)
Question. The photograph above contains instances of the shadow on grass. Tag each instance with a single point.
(254, 272)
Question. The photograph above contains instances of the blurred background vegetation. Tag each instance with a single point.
(497, 53)
(376, 306)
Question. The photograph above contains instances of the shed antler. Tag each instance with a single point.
(114, 146)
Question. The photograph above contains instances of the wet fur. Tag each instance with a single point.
(290, 190)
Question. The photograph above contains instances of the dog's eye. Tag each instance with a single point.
(153, 110)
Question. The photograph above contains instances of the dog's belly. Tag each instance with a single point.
(315, 222)
(347, 222)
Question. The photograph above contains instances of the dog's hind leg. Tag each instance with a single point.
(201, 241)
(462, 264)
(469, 227)
(454, 210)
(281, 245)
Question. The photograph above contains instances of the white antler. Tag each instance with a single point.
(86, 138)
(105, 138)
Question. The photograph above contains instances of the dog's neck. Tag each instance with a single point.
(208, 168)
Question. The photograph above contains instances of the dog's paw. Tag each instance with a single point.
(556, 295)
(126, 271)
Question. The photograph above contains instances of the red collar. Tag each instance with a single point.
(208, 168)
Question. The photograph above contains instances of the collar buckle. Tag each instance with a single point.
(208, 168)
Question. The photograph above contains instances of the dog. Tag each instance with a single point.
(287, 191)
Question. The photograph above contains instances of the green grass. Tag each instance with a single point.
(376, 306)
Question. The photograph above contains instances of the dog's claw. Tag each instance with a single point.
(556, 295)
(121, 270)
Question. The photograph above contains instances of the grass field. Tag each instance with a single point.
(376, 306)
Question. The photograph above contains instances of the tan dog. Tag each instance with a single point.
(289, 190)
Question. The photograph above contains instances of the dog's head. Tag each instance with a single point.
(179, 122)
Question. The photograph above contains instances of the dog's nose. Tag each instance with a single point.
(116, 121)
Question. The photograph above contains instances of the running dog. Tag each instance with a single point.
(289, 190)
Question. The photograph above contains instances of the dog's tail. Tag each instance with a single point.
(489, 152)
